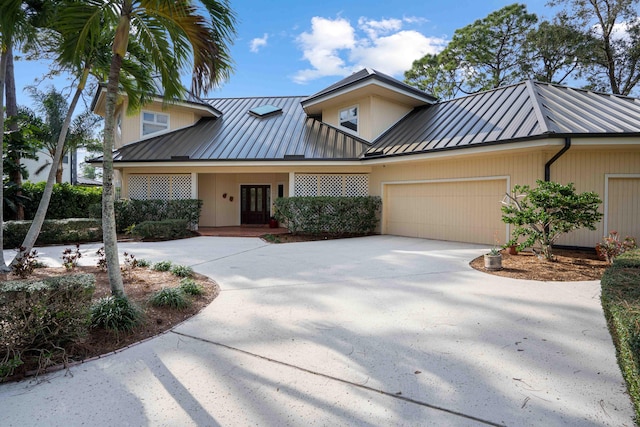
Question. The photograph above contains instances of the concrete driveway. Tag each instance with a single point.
(379, 330)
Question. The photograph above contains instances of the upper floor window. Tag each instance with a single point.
(349, 118)
(154, 122)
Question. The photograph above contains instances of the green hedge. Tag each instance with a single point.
(621, 303)
(133, 212)
(168, 229)
(67, 201)
(333, 215)
(38, 318)
(54, 232)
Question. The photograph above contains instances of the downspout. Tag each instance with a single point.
(547, 166)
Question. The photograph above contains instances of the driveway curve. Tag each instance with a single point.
(379, 330)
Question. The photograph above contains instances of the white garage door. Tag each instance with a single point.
(463, 211)
(623, 206)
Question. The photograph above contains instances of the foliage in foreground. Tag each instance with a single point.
(621, 303)
(545, 213)
(191, 287)
(38, 318)
(115, 313)
(170, 297)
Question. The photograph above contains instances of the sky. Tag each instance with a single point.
(299, 47)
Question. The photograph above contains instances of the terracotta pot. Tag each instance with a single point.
(493, 262)
(512, 250)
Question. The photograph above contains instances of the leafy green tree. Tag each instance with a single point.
(177, 36)
(615, 25)
(559, 51)
(545, 213)
(489, 53)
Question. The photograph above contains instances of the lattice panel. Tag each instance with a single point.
(180, 187)
(330, 185)
(353, 185)
(164, 187)
(306, 185)
(159, 187)
(356, 185)
(138, 185)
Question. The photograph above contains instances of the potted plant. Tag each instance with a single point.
(511, 247)
(273, 222)
(493, 260)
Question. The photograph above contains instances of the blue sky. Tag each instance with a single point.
(298, 47)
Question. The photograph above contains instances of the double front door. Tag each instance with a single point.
(255, 201)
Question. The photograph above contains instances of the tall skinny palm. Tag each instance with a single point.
(177, 37)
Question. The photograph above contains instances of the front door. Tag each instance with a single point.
(255, 201)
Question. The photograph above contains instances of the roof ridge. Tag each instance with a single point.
(537, 106)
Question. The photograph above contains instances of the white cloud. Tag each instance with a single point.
(258, 42)
(334, 47)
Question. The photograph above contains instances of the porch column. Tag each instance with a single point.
(292, 184)
(194, 185)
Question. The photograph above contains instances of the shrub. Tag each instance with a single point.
(182, 271)
(611, 246)
(38, 318)
(168, 229)
(191, 287)
(130, 212)
(54, 232)
(170, 297)
(67, 201)
(115, 313)
(25, 264)
(162, 266)
(71, 257)
(621, 303)
(334, 215)
(143, 263)
(545, 213)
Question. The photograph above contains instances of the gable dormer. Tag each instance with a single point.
(366, 103)
(154, 118)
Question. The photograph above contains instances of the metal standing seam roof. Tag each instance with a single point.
(522, 111)
(239, 135)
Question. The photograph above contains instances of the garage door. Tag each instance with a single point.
(463, 211)
(623, 206)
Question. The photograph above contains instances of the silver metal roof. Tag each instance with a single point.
(523, 111)
(239, 135)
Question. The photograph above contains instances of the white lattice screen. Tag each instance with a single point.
(160, 186)
(311, 185)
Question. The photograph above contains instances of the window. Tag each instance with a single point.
(154, 122)
(349, 118)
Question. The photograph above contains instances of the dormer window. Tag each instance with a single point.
(349, 118)
(154, 122)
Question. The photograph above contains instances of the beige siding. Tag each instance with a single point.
(465, 211)
(178, 118)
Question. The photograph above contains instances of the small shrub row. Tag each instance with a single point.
(621, 303)
(177, 298)
(38, 318)
(333, 215)
(135, 212)
(67, 201)
(167, 229)
(611, 246)
(54, 231)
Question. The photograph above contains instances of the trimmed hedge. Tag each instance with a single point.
(621, 303)
(67, 201)
(333, 215)
(54, 231)
(134, 212)
(38, 318)
(168, 229)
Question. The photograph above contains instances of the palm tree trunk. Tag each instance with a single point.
(3, 68)
(109, 235)
(38, 219)
(12, 111)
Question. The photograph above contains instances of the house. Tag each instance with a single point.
(441, 168)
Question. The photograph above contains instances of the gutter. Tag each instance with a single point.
(547, 166)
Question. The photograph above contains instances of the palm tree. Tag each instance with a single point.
(177, 37)
(14, 30)
(83, 55)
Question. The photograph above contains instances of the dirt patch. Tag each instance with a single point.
(569, 266)
(139, 286)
